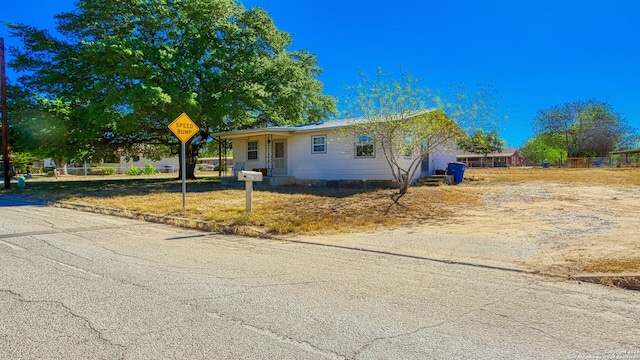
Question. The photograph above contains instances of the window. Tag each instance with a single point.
(364, 146)
(408, 150)
(318, 144)
(136, 158)
(252, 150)
(279, 150)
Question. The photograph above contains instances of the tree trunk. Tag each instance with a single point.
(191, 160)
(403, 186)
(61, 166)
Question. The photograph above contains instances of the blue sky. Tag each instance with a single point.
(535, 53)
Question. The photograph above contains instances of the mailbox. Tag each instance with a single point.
(249, 176)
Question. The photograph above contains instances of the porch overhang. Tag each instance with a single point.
(240, 134)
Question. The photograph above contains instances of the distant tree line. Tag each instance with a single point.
(577, 129)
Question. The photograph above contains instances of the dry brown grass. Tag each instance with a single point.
(291, 210)
(296, 210)
(631, 266)
(600, 176)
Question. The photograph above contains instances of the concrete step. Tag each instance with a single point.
(434, 180)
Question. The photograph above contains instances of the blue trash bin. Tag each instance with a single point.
(545, 165)
(457, 170)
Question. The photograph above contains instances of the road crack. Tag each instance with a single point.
(121, 348)
(304, 345)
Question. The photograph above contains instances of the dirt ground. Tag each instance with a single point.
(567, 226)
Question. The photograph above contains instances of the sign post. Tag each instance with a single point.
(184, 129)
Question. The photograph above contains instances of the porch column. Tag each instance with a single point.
(269, 156)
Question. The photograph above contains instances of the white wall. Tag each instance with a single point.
(239, 147)
(338, 163)
(440, 158)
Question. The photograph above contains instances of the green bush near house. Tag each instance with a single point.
(149, 169)
(106, 170)
(133, 171)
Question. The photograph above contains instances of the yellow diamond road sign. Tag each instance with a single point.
(183, 127)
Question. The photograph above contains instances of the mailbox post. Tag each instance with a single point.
(249, 177)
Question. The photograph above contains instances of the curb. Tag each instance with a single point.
(625, 281)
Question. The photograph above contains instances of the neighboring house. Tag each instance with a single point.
(506, 157)
(121, 164)
(166, 165)
(319, 154)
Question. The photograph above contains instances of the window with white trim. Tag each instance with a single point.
(408, 151)
(318, 144)
(364, 146)
(252, 150)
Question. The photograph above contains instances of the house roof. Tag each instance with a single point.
(504, 153)
(629, 151)
(290, 130)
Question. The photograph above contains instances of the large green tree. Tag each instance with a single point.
(133, 67)
(545, 147)
(52, 128)
(588, 128)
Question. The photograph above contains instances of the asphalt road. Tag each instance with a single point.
(82, 285)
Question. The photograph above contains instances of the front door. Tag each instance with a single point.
(424, 170)
(279, 158)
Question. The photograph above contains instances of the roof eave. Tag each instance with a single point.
(253, 132)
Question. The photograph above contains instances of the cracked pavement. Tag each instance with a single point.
(82, 285)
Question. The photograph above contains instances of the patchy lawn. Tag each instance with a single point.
(284, 210)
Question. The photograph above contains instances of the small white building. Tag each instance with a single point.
(165, 165)
(318, 154)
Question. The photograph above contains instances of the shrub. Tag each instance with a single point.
(133, 171)
(107, 170)
(217, 167)
(149, 169)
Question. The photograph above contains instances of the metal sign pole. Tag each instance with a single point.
(184, 176)
(184, 129)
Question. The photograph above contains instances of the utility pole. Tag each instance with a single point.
(5, 126)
